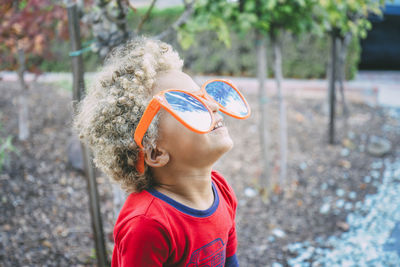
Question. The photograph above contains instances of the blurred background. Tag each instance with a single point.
(316, 168)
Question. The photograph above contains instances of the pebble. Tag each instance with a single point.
(387, 173)
(352, 195)
(376, 183)
(294, 247)
(361, 148)
(378, 146)
(250, 192)
(324, 186)
(278, 233)
(348, 206)
(303, 166)
(367, 179)
(325, 208)
(375, 174)
(351, 135)
(377, 164)
(339, 203)
(340, 192)
(344, 152)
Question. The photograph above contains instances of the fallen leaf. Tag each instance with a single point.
(46, 243)
(299, 117)
(348, 143)
(345, 164)
(277, 190)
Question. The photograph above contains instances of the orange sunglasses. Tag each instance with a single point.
(191, 110)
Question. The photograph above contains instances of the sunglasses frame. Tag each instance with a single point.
(155, 105)
(203, 93)
(159, 101)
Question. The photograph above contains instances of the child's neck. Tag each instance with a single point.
(191, 188)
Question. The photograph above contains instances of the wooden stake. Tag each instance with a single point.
(263, 124)
(78, 92)
(332, 91)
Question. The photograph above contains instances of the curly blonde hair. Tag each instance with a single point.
(108, 115)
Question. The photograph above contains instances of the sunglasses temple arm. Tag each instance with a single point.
(152, 108)
(140, 162)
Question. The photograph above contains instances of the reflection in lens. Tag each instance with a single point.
(191, 110)
(225, 95)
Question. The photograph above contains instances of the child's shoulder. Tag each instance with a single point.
(137, 204)
(138, 208)
(225, 189)
(220, 181)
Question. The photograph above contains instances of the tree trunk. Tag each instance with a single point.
(22, 68)
(343, 45)
(282, 109)
(23, 118)
(332, 96)
(262, 96)
(23, 108)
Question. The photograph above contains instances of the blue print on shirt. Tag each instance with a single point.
(210, 255)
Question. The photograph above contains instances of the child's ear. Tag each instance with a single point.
(156, 157)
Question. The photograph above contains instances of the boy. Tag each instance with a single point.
(179, 212)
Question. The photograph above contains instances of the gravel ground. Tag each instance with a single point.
(45, 221)
(373, 238)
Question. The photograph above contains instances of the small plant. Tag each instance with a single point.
(6, 147)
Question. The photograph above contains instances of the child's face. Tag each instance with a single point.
(183, 145)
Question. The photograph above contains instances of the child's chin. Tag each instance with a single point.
(225, 145)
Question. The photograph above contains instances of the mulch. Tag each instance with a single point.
(44, 213)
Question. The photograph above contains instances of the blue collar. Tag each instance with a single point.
(185, 209)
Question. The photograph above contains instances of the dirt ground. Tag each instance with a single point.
(44, 213)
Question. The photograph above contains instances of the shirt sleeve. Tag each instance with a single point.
(141, 242)
(232, 261)
(231, 246)
(229, 195)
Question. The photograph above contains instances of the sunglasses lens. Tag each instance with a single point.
(227, 97)
(189, 109)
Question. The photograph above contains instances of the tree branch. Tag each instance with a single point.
(145, 17)
(189, 8)
(121, 19)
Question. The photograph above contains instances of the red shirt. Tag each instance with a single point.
(155, 230)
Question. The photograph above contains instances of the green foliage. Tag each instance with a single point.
(304, 56)
(276, 15)
(348, 16)
(6, 147)
(154, 25)
(157, 20)
(266, 16)
(208, 15)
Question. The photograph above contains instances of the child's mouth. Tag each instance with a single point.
(218, 125)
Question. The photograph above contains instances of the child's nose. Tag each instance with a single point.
(212, 105)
